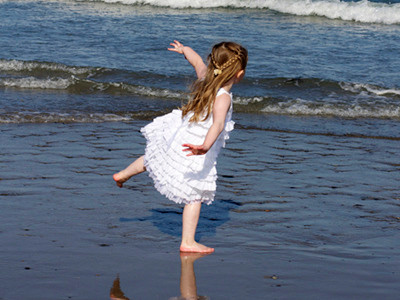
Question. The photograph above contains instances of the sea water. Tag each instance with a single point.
(68, 61)
(308, 185)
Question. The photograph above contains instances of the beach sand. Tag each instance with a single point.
(296, 216)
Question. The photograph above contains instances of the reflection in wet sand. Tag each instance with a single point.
(188, 285)
(115, 292)
(188, 278)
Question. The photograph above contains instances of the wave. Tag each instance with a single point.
(317, 97)
(359, 107)
(74, 117)
(309, 108)
(292, 96)
(48, 75)
(297, 107)
(75, 79)
(359, 87)
(360, 11)
(37, 66)
(76, 85)
(35, 83)
(327, 98)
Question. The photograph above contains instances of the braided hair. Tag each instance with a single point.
(224, 62)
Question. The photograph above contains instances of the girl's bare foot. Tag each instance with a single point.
(119, 180)
(196, 248)
(134, 168)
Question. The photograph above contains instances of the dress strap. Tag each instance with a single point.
(222, 91)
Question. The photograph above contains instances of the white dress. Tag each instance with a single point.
(181, 178)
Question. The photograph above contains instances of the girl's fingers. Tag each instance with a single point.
(188, 145)
(177, 46)
(194, 149)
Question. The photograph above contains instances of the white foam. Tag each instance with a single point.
(58, 83)
(303, 107)
(152, 92)
(35, 83)
(246, 101)
(361, 87)
(361, 11)
(19, 65)
(55, 117)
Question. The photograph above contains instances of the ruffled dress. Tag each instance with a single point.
(181, 178)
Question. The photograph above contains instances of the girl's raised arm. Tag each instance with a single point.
(193, 58)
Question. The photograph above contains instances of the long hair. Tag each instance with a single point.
(224, 62)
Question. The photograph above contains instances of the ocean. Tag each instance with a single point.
(84, 61)
(309, 179)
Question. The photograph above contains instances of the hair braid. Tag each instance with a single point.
(225, 65)
(225, 60)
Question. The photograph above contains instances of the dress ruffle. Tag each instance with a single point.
(181, 178)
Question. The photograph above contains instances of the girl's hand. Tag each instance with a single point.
(194, 149)
(178, 47)
(192, 57)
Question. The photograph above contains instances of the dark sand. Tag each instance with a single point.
(296, 217)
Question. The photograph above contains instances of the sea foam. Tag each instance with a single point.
(57, 117)
(360, 87)
(360, 11)
(353, 110)
(20, 65)
(35, 83)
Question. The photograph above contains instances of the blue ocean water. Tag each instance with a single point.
(88, 60)
(308, 184)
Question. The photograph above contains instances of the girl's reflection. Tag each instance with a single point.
(188, 280)
(115, 292)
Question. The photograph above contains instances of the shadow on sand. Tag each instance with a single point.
(169, 220)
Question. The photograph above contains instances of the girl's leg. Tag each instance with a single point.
(188, 277)
(134, 168)
(190, 218)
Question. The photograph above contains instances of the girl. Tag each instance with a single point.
(182, 146)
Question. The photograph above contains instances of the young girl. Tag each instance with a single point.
(182, 146)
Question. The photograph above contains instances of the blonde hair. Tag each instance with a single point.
(224, 62)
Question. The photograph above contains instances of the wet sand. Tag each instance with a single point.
(296, 216)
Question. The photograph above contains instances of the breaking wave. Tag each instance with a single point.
(73, 117)
(309, 108)
(359, 11)
(293, 96)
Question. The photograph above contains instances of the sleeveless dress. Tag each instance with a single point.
(181, 178)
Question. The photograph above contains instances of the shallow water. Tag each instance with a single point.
(317, 212)
(307, 203)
